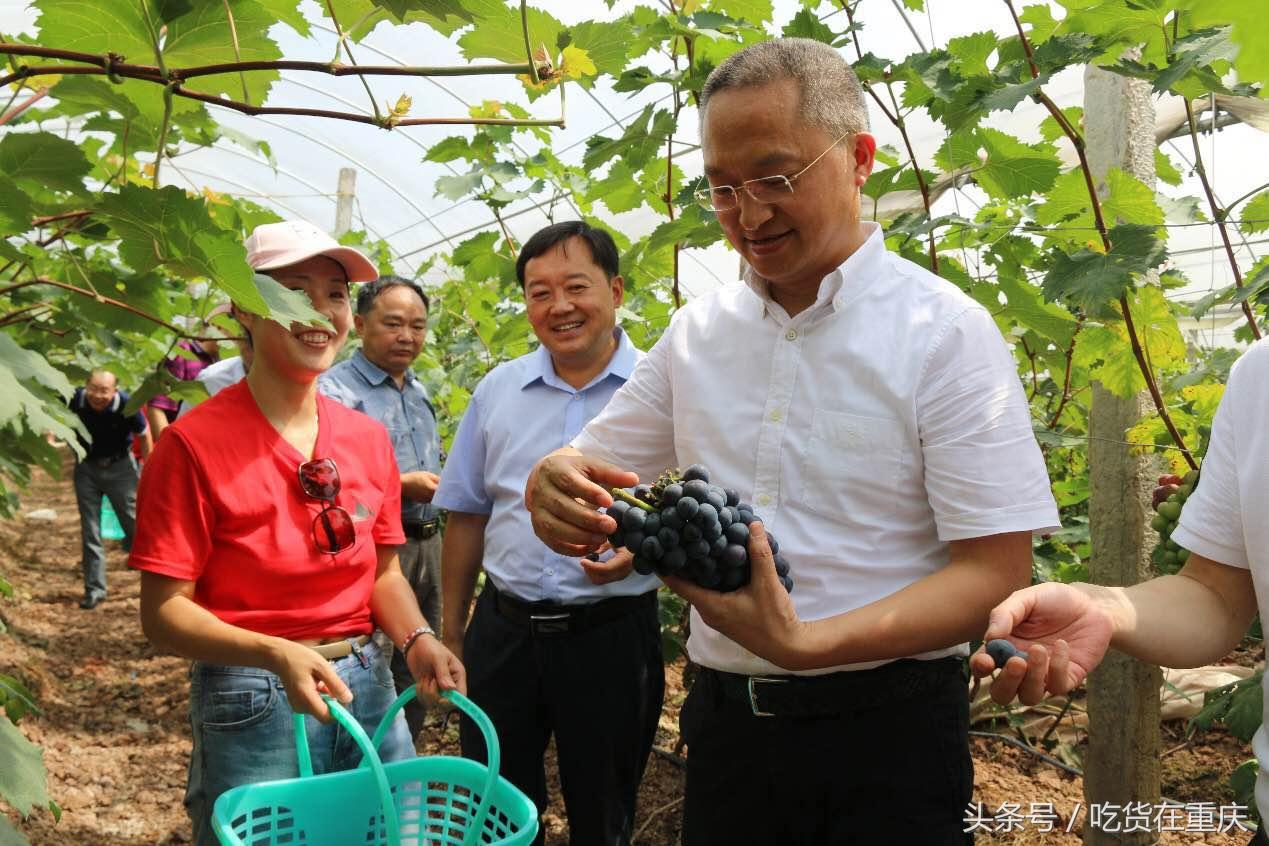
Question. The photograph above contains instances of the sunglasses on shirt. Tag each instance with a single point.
(333, 529)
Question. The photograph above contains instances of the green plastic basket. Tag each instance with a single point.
(430, 801)
(110, 528)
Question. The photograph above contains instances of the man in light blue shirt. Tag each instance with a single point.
(391, 321)
(547, 651)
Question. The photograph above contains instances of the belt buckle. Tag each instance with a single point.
(549, 624)
(753, 694)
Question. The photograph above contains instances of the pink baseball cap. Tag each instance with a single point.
(274, 245)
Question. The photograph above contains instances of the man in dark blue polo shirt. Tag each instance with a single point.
(391, 322)
(108, 468)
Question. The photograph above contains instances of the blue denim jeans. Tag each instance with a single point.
(243, 734)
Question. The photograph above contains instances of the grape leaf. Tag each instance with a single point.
(1129, 200)
(1117, 25)
(753, 11)
(22, 774)
(618, 190)
(605, 42)
(1040, 17)
(482, 262)
(1067, 201)
(1015, 169)
(498, 33)
(202, 37)
(99, 26)
(450, 149)
(1090, 279)
(1104, 351)
(287, 12)
(460, 185)
(403, 10)
(1255, 214)
(1164, 169)
(15, 208)
(9, 836)
(284, 306)
(168, 228)
(1026, 307)
(636, 145)
(44, 160)
(970, 52)
(806, 24)
(1246, 20)
(33, 366)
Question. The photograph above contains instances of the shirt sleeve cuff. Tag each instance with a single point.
(461, 504)
(1233, 556)
(164, 568)
(1035, 517)
(592, 448)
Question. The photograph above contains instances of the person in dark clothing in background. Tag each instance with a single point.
(107, 468)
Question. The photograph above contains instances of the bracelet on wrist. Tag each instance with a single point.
(414, 636)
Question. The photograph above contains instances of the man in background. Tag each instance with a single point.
(107, 469)
(391, 322)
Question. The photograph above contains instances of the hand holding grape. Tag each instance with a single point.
(1066, 630)
(759, 616)
(685, 527)
(563, 492)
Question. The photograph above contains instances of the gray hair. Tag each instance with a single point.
(831, 97)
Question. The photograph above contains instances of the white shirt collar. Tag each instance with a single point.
(843, 284)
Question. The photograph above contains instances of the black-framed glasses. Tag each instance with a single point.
(766, 189)
(333, 529)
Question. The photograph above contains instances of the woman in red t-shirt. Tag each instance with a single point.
(268, 519)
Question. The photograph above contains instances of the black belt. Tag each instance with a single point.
(549, 619)
(420, 529)
(107, 460)
(835, 694)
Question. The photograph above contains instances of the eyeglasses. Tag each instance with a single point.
(768, 189)
(333, 528)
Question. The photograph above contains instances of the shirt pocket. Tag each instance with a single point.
(851, 463)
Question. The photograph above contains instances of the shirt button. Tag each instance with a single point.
(791, 335)
(764, 500)
(776, 415)
(550, 572)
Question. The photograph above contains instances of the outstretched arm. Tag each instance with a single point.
(1185, 620)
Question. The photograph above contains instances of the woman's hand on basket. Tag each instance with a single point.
(306, 676)
(435, 668)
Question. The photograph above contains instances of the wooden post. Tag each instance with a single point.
(344, 196)
(1122, 766)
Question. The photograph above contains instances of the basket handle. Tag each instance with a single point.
(369, 758)
(482, 721)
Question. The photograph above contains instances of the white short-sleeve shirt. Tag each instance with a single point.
(869, 430)
(1224, 518)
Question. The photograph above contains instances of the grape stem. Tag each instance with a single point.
(625, 496)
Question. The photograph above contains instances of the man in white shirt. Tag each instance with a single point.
(1187, 620)
(873, 414)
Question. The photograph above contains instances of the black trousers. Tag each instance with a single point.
(1259, 838)
(598, 691)
(886, 773)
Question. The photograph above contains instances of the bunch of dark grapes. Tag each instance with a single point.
(683, 526)
(1168, 555)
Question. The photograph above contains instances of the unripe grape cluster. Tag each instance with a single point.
(686, 527)
(1168, 555)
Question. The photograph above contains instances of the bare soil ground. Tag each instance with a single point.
(116, 741)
